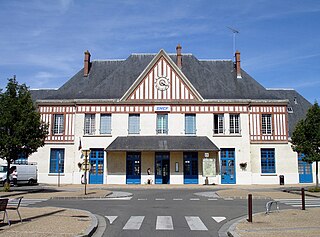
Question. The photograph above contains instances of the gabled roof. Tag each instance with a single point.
(174, 67)
(111, 79)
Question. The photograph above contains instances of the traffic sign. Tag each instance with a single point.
(83, 166)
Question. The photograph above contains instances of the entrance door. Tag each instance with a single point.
(162, 169)
(133, 168)
(96, 172)
(305, 171)
(190, 167)
(228, 172)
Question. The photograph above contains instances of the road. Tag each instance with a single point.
(164, 212)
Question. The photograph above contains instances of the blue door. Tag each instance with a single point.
(190, 167)
(96, 162)
(228, 172)
(133, 168)
(162, 169)
(305, 170)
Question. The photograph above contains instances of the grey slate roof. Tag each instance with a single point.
(111, 79)
(299, 108)
(162, 143)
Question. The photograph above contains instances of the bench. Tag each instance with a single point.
(3, 207)
(269, 204)
(14, 204)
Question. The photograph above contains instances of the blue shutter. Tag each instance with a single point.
(55, 165)
(268, 161)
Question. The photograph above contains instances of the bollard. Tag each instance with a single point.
(303, 199)
(249, 208)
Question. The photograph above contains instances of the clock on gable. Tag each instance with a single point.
(162, 83)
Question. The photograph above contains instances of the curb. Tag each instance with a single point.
(92, 228)
(228, 229)
(299, 193)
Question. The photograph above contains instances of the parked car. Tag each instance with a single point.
(27, 173)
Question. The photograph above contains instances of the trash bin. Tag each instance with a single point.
(281, 179)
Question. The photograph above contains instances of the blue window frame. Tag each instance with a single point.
(134, 124)
(268, 163)
(190, 124)
(56, 161)
(105, 124)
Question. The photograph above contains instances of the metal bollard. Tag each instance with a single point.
(249, 208)
(303, 206)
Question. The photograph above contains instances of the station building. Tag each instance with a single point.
(169, 119)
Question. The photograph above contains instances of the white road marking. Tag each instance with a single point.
(195, 223)
(228, 199)
(142, 199)
(111, 219)
(177, 199)
(194, 199)
(218, 219)
(164, 223)
(122, 198)
(160, 199)
(134, 223)
(212, 199)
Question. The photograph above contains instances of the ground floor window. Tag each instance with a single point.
(268, 164)
(56, 161)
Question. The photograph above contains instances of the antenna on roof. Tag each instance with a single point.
(234, 31)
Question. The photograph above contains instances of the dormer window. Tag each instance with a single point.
(290, 110)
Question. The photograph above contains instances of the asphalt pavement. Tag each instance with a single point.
(160, 210)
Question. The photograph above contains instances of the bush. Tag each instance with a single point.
(314, 189)
(6, 187)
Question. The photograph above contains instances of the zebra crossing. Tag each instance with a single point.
(166, 222)
(26, 202)
(310, 202)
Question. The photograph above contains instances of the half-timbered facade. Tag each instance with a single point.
(169, 119)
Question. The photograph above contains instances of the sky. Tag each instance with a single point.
(42, 42)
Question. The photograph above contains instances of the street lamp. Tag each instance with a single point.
(86, 154)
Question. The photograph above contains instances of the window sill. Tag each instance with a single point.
(97, 135)
(56, 174)
(269, 174)
(227, 135)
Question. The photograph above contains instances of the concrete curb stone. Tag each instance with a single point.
(93, 226)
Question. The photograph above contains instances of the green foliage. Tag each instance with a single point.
(21, 130)
(306, 136)
(314, 189)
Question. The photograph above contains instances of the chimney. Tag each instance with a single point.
(179, 56)
(238, 68)
(87, 64)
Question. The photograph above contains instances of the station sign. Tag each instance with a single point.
(162, 108)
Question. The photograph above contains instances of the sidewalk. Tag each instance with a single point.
(293, 223)
(51, 221)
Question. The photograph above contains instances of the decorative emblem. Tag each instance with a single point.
(162, 83)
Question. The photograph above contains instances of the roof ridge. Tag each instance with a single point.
(214, 60)
(108, 60)
(280, 89)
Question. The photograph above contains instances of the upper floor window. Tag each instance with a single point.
(266, 124)
(234, 123)
(162, 123)
(268, 164)
(190, 124)
(105, 124)
(90, 124)
(134, 124)
(58, 124)
(218, 124)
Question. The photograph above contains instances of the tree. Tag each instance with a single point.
(21, 129)
(306, 137)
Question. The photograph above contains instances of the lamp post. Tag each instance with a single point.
(86, 154)
(59, 165)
